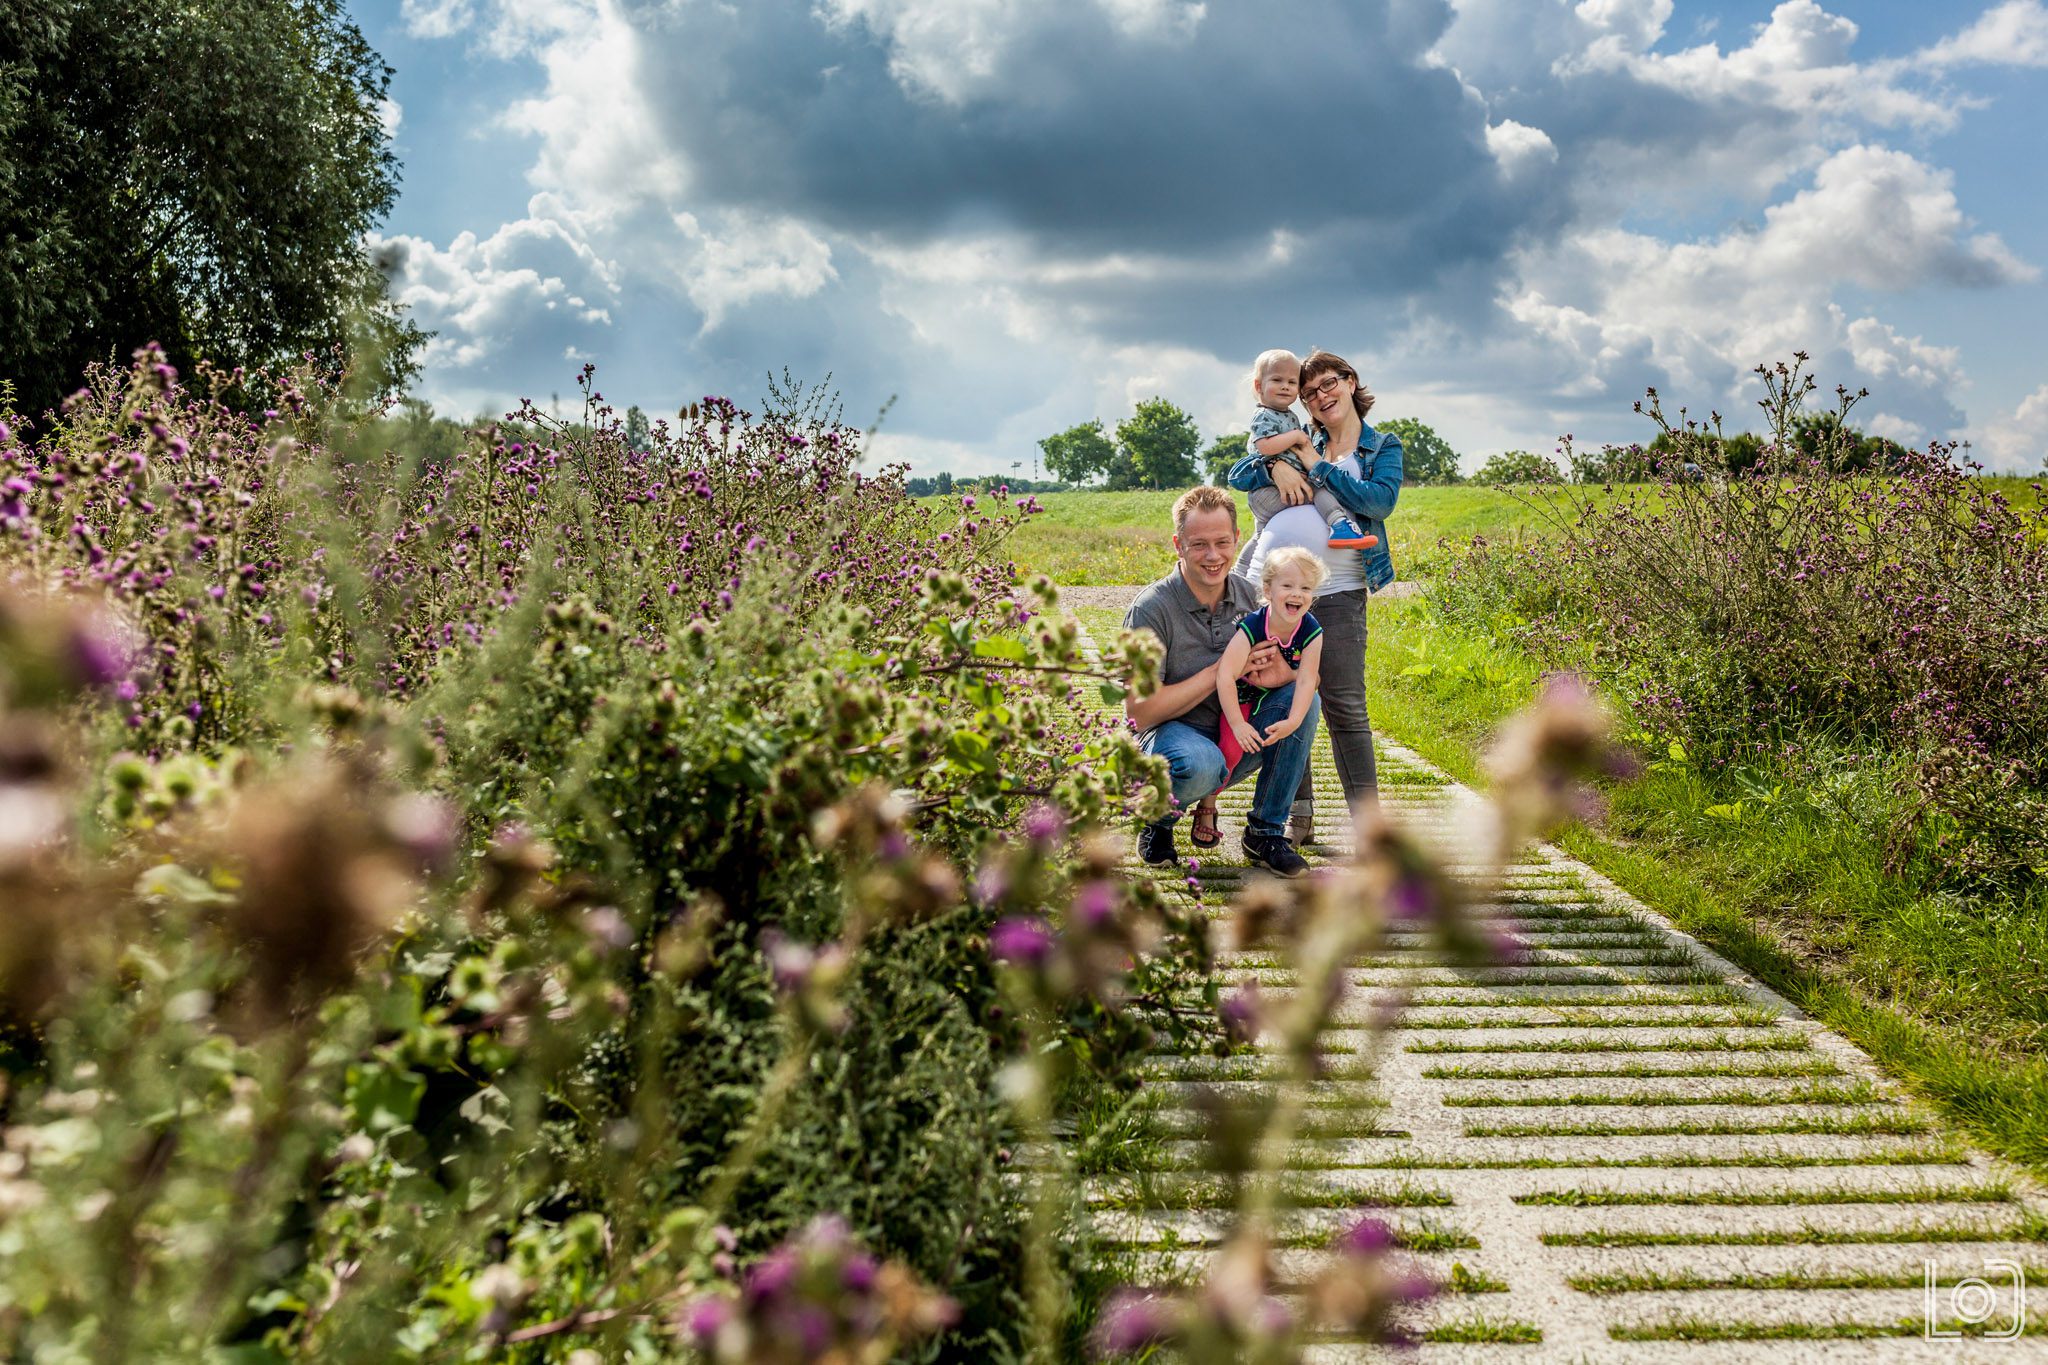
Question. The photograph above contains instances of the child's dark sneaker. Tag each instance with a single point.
(1275, 854)
(1345, 535)
(1155, 844)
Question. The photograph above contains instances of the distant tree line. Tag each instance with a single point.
(1159, 446)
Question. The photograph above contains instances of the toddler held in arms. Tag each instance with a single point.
(1251, 718)
(1276, 378)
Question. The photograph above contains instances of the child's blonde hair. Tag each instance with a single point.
(1268, 361)
(1292, 557)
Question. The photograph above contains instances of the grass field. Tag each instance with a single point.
(1106, 538)
(1091, 539)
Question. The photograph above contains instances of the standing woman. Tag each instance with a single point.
(1361, 468)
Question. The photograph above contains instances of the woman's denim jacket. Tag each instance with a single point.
(1370, 500)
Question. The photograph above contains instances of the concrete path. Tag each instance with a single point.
(1622, 1148)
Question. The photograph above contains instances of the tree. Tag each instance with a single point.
(1223, 452)
(943, 485)
(637, 435)
(1079, 453)
(1425, 456)
(1159, 441)
(1516, 466)
(201, 175)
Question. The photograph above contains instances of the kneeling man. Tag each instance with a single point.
(1194, 611)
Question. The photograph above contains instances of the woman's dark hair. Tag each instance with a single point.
(1321, 362)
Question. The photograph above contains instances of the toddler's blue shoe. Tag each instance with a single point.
(1345, 535)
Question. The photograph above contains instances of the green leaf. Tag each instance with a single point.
(383, 1096)
(1677, 752)
(1001, 647)
(1728, 812)
(1113, 692)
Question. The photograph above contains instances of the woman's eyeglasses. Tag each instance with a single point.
(1328, 385)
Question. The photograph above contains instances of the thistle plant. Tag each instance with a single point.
(1767, 595)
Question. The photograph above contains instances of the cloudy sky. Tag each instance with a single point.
(1015, 215)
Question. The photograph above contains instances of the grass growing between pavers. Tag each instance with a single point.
(1989, 1192)
(1950, 996)
(1427, 1234)
(1862, 1125)
(1757, 1018)
(1708, 1329)
(1819, 1066)
(1478, 1330)
(1679, 1281)
(1465, 1280)
(1219, 1193)
(1926, 1154)
(1774, 1042)
(1860, 1092)
(2030, 1228)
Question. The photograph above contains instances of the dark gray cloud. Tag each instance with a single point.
(1272, 117)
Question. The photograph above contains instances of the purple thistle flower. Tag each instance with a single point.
(1095, 905)
(1044, 824)
(1132, 1320)
(1367, 1237)
(707, 1317)
(1022, 940)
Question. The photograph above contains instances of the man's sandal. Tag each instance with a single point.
(1204, 833)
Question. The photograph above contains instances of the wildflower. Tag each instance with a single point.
(1023, 941)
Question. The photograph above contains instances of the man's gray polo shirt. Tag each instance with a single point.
(1194, 636)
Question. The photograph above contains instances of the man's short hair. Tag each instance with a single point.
(1203, 497)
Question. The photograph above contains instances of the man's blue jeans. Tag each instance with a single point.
(1197, 765)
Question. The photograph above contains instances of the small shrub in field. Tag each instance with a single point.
(1516, 467)
(1904, 611)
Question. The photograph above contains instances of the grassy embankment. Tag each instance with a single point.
(1948, 991)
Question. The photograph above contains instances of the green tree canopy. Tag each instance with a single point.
(1079, 453)
(1425, 456)
(199, 174)
(1159, 441)
(1223, 452)
(1516, 466)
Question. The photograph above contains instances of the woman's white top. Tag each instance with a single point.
(1304, 526)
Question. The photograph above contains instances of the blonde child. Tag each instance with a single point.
(1276, 434)
(1251, 720)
